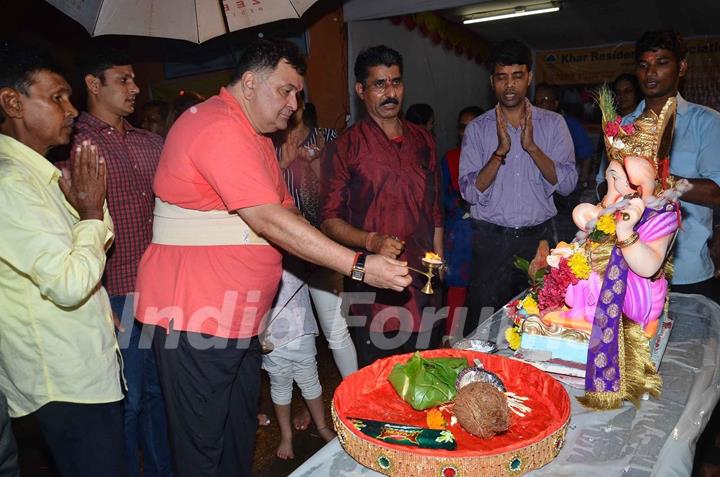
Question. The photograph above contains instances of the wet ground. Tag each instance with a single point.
(35, 459)
(305, 443)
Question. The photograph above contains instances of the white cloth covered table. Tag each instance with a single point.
(658, 439)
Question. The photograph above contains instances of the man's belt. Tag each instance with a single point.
(512, 231)
(175, 225)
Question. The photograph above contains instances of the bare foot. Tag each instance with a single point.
(285, 449)
(263, 420)
(327, 434)
(302, 420)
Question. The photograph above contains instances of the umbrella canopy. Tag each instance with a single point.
(191, 20)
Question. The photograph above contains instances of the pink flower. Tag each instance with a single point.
(552, 294)
(629, 128)
(612, 128)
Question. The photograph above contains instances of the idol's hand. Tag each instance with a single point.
(627, 218)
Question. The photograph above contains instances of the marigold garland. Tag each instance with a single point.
(606, 224)
(529, 304)
(435, 419)
(579, 265)
(512, 336)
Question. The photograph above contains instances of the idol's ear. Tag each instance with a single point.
(617, 181)
(641, 174)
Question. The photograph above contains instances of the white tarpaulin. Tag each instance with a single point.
(658, 439)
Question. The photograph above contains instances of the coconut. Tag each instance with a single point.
(482, 410)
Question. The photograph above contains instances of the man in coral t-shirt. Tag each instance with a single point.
(211, 273)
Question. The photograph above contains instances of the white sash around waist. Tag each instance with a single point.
(175, 225)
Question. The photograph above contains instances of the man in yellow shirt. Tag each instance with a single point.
(58, 352)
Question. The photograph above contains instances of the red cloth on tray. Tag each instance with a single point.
(367, 394)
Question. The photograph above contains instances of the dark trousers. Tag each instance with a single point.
(144, 409)
(372, 346)
(85, 440)
(211, 387)
(493, 278)
(8, 449)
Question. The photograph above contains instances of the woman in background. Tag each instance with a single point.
(422, 115)
(627, 93)
(458, 228)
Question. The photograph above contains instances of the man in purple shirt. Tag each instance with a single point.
(513, 159)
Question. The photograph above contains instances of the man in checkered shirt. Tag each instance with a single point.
(131, 156)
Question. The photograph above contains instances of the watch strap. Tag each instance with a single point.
(358, 268)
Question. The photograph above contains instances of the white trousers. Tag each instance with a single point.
(294, 361)
(325, 288)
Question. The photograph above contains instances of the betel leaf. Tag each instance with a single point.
(426, 382)
(598, 236)
(539, 277)
(521, 264)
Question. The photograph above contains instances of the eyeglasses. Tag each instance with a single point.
(379, 86)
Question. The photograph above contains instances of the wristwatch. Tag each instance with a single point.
(358, 269)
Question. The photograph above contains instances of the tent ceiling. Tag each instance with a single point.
(354, 10)
(578, 23)
(593, 22)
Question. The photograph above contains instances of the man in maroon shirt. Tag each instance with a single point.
(132, 156)
(382, 194)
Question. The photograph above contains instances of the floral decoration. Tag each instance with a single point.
(628, 129)
(529, 304)
(612, 128)
(579, 265)
(512, 336)
(552, 295)
(606, 224)
(435, 419)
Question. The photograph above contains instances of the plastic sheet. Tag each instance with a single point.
(658, 439)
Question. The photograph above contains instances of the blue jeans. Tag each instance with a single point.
(144, 414)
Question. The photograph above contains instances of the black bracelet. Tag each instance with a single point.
(500, 156)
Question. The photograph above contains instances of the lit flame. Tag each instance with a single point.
(432, 257)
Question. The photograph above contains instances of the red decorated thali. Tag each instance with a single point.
(531, 441)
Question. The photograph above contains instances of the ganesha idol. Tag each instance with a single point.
(602, 295)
